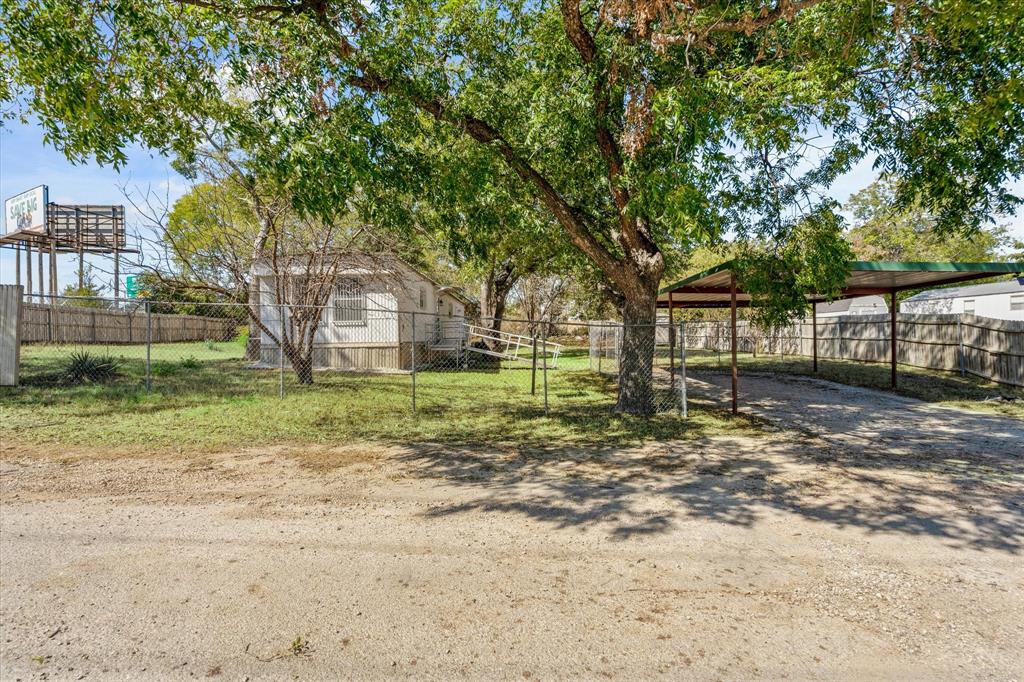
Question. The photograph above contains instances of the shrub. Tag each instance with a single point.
(190, 363)
(83, 367)
(163, 369)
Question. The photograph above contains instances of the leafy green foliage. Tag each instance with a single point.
(882, 230)
(211, 230)
(177, 296)
(88, 294)
(813, 259)
(643, 130)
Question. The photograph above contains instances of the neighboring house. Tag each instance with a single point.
(862, 305)
(999, 300)
(367, 324)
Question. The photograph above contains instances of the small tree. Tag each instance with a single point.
(304, 256)
(541, 299)
(87, 293)
(213, 246)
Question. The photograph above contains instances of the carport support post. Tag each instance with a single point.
(892, 334)
(814, 335)
(682, 368)
(732, 317)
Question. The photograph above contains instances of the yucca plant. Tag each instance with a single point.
(84, 367)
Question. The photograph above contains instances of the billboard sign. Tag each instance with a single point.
(26, 212)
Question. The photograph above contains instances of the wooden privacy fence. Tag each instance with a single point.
(71, 324)
(985, 347)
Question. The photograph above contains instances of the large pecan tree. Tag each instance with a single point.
(644, 128)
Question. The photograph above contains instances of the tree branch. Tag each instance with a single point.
(483, 132)
(747, 25)
(577, 33)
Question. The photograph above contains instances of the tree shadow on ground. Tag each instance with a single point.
(649, 491)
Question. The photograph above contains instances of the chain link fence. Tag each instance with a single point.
(649, 357)
(395, 361)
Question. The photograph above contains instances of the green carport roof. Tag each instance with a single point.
(711, 288)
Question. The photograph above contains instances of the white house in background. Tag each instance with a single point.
(367, 324)
(862, 305)
(999, 300)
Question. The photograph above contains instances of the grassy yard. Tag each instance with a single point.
(204, 396)
(932, 386)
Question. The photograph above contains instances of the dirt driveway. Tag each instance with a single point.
(784, 556)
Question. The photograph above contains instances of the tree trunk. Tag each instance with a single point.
(636, 354)
(304, 370)
(301, 360)
(494, 293)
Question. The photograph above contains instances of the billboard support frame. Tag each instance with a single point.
(63, 228)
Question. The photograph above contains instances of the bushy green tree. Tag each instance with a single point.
(177, 296)
(884, 230)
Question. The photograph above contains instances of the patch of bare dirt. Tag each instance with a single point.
(790, 555)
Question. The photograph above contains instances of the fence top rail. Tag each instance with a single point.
(127, 305)
(487, 333)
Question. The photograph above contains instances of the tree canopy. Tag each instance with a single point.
(644, 129)
(881, 230)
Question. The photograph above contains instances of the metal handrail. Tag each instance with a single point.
(513, 343)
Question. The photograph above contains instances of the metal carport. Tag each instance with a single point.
(717, 288)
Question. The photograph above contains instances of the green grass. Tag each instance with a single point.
(205, 397)
(947, 388)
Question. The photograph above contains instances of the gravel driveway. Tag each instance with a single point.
(868, 421)
(790, 555)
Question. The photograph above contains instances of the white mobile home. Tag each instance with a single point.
(861, 305)
(367, 324)
(999, 300)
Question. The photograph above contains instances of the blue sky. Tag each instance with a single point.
(26, 162)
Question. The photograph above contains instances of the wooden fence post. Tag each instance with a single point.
(960, 341)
